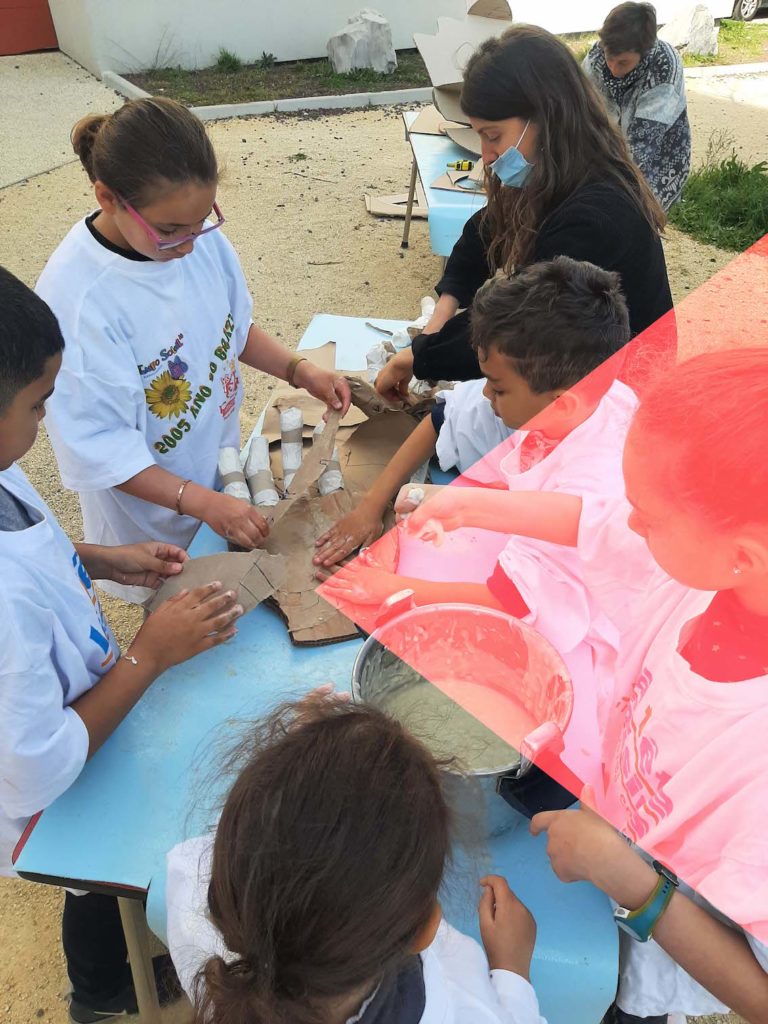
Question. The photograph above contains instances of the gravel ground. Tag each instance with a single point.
(307, 246)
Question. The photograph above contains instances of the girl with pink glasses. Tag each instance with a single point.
(157, 319)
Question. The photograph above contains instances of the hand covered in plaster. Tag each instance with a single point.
(356, 529)
(441, 509)
(507, 927)
(324, 385)
(359, 583)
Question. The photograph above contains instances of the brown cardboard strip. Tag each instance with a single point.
(231, 478)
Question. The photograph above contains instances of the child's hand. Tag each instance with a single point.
(581, 845)
(507, 927)
(360, 584)
(236, 520)
(445, 505)
(143, 565)
(357, 528)
(186, 624)
(324, 385)
(392, 382)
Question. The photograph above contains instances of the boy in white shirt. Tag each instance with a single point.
(64, 687)
(541, 332)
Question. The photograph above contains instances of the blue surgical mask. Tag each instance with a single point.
(511, 168)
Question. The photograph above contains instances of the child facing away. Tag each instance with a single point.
(537, 334)
(156, 313)
(317, 900)
(64, 686)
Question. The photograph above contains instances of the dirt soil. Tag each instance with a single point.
(307, 246)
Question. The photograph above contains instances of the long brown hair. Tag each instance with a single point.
(327, 862)
(144, 148)
(529, 73)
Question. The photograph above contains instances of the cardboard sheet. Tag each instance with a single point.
(429, 121)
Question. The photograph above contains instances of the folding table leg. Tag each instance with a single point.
(409, 207)
(137, 940)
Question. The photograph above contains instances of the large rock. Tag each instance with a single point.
(693, 31)
(364, 42)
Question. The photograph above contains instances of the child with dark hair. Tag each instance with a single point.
(317, 900)
(156, 312)
(64, 688)
(540, 332)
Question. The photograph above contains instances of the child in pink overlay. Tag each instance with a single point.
(686, 760)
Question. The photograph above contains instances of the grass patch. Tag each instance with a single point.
(724, 202)
(227, 62)
(738, 42)
(267, 80)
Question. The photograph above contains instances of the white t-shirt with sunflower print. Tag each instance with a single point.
(150, 375)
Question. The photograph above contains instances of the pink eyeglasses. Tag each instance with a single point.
(163, 244)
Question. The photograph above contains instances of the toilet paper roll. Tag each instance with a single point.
(232, 477)
(258, 474)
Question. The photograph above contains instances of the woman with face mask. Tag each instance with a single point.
(641, 80)
(560, 182)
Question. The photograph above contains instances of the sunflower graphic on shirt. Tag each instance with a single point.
(167, 397)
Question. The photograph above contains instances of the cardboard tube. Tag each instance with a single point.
(330, 479)
(291, 448)
(259, 474)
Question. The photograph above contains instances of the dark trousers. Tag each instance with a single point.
(617, 1016)
(94, 947)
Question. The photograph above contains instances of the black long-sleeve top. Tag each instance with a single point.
(598, 223)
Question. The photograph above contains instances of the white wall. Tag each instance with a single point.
(130, 35)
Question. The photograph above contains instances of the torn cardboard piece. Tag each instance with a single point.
(397, 206)
(366, 398)
(254, 575)
(462, 181)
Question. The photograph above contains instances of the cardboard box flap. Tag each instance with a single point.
(446, 54)
(490, 9)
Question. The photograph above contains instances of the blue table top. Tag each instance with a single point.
(448, 211)
(154, 783)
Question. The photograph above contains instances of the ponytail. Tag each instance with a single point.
(83, 137)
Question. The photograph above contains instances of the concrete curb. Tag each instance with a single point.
(221, 111)
(123, 86)
(726, 70)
